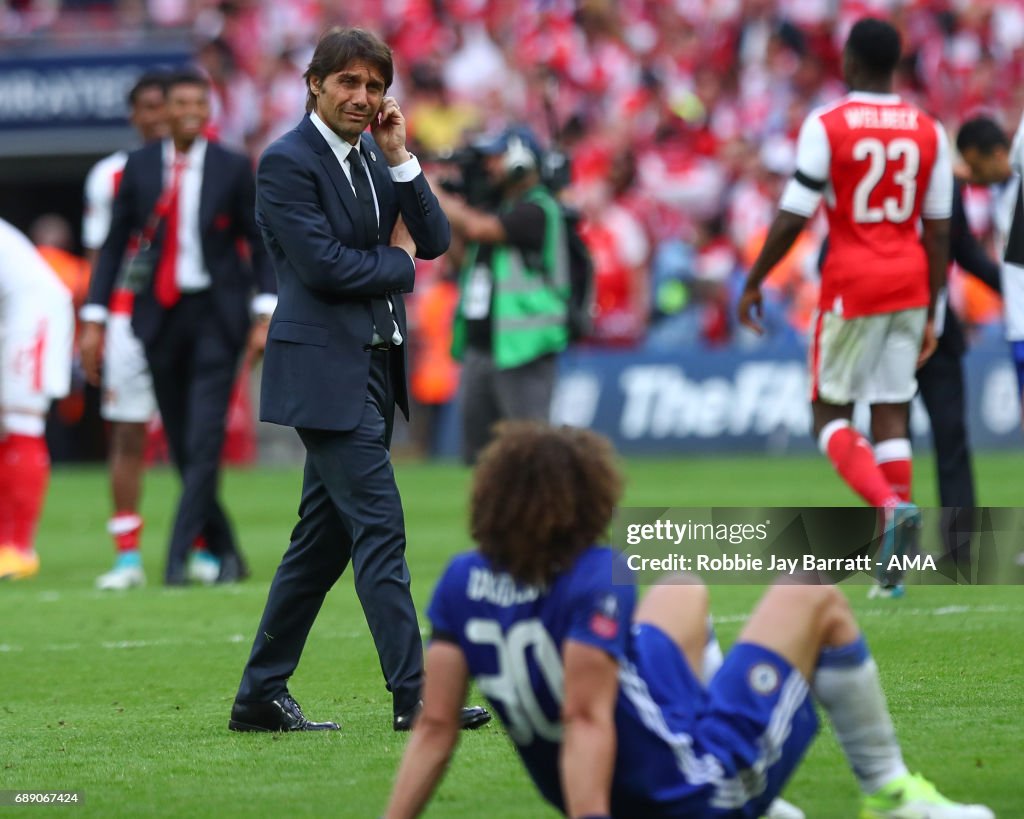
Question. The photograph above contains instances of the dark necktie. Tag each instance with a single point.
(364, 195)
(380, 308)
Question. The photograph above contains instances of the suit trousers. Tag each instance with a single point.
(194, 364)
(941, 383)
(350, 511)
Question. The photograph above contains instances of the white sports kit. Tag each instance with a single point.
(36, 334)
(127, 385)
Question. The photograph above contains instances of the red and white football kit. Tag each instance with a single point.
(36, 337)
(881, 165)
(127, 385)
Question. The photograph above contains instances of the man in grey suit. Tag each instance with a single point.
(342, 214)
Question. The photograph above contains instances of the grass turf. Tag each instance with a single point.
(126, 696)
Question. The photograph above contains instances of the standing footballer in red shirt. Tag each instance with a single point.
(884, 170)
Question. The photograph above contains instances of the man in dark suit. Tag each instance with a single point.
(941, 383)
(342, 213)
(195, 201)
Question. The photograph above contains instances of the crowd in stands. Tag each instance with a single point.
(680, 116)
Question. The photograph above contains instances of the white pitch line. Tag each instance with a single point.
(113, 645)
(53, 596)
(896, 608)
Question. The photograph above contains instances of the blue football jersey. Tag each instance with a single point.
(512, 638)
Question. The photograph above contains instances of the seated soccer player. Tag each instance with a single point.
(36, 327)
(625, 709)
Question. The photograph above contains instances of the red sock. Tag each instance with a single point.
(126, 529)
(6, 503)
(25, 462)
(853, 459)
(894, 459)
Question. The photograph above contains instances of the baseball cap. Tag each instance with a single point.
(498, 143)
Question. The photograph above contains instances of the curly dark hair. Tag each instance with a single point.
(541, 495)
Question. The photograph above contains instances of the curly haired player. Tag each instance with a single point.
(627, 709)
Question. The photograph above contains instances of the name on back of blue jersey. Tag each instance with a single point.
(499, 589)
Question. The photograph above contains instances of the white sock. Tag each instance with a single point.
(846, 683)
(713, 657)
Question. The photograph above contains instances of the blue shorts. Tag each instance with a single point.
(756, 718)
(1017, 353)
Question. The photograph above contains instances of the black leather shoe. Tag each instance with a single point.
(232, 569)
(471, 718)
(282, 714)
(175, 576)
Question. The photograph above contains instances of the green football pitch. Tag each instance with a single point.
(124, 697)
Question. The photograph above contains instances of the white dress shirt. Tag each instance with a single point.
(405, 172)
(191, 272)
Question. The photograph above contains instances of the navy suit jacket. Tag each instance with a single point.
(317, 364)
(226, 200)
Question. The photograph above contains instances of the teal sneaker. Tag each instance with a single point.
(911, 796)
(886, 592)
(900, 536)
(126, 574)
(203, 567)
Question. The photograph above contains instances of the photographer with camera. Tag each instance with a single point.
(514, 288)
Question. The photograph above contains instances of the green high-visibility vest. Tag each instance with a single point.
(530, 296)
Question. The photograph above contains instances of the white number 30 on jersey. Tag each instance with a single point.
(879, 153)
(511, 686)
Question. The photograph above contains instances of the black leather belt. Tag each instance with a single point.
(378, 347)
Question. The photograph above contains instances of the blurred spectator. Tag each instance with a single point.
(52, 236)
(436, 123)
(284, 102)
(234, 102)
(694, 292)
(614, 231)
(434, 380)
(695, 91)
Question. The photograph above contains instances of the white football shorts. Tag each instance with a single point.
(868, 358)
(127, 385)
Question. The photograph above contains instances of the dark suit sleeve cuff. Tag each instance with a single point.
(412, 264)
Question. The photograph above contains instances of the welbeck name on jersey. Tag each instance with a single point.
(869, 116)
